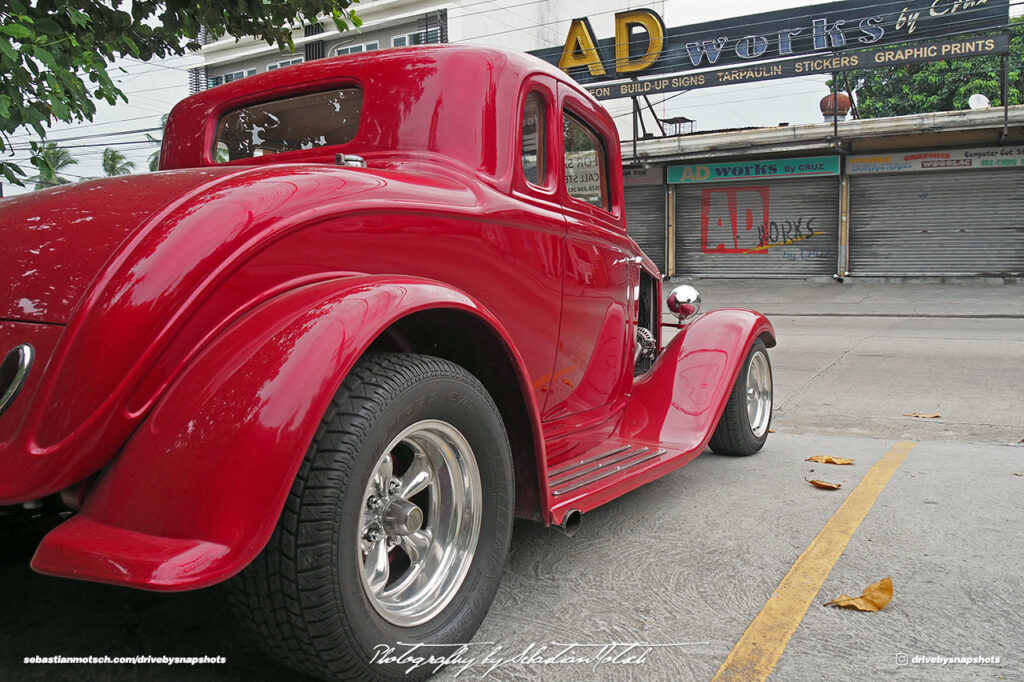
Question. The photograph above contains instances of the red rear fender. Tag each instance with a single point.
(197, 491)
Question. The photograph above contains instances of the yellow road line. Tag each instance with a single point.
(759, 649)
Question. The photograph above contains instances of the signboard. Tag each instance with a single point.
(942, 160)
(633, 176)
(888, 56)
(643, 46)
(753, 170)
(583, 176)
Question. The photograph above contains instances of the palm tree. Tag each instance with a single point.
(51, 160)
(154, 158)
(115, 163)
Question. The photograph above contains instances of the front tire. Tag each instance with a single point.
(396, 529)
(743, 427)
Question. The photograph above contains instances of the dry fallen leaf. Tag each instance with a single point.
(773, 431)
(934, 415)
(824, 484)
(826, 459)
(875, 597)
(1016, 474)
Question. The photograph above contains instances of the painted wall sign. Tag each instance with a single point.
(739, 221)
(746, 170)
(643, 46)
(989, 158)
(802, 66)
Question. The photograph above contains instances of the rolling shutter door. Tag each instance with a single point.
(937, 223)
(645, 220)
(768, 228)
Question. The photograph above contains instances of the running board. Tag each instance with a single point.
(577, 475)
(616, 469)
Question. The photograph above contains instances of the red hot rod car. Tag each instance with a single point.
(369, 310)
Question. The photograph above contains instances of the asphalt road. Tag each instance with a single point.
(687, 563)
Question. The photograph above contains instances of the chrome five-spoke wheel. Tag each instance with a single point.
(759, 393)
(396, 528)
(420, 523)
(743, 427)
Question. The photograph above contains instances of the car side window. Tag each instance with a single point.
(586, 177)
(533, 139)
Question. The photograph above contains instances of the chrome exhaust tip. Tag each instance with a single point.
(570, 522)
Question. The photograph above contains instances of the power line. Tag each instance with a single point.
(93, 125)
(93, 136)
(105, 145)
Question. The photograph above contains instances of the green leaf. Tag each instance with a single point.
(46, 57)
(8, 51)
(11, 172)
(5, 106)
(16, 31)
(48, 26)
(78, 18)
(59, 108)
(131, 45)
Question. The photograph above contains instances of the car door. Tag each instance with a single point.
(593, 362)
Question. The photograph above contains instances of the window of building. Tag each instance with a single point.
(342, 50)
(287, 62)
(419, 38)
(238, 75)
(586, 177)
(214, 81)
(533, 139)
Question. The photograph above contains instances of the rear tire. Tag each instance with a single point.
(743, 427)
(396, 529)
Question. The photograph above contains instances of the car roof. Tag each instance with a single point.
(450, 100)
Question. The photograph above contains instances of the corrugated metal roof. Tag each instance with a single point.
(818, 136)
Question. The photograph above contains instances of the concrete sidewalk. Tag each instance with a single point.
(872, 298)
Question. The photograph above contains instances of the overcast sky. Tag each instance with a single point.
(154, 87)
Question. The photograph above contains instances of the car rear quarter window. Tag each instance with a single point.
(533, 139)
(319, 119)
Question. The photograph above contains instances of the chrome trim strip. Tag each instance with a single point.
(16, 365)
(583, 471)
(606, 474)
(552, 473)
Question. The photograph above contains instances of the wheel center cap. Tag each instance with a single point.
(401, 517)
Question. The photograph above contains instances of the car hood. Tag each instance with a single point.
(55, 241)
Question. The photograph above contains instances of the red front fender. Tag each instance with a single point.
(679, 402)
(195, 494)
(674, 409)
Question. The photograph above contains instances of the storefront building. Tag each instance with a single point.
(926, 195)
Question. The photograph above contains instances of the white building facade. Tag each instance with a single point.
(400, 23)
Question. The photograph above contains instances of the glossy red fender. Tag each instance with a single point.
(197, 491)
(679, 402)
(673, 410)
